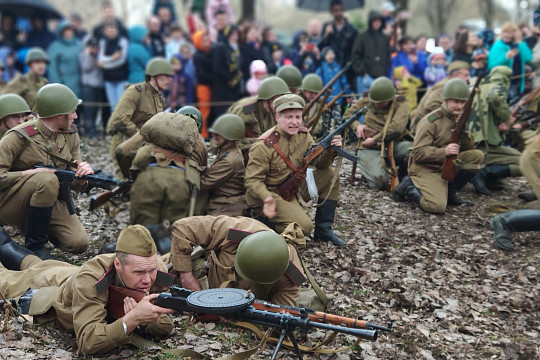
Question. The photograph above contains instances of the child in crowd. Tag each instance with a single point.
(479, 64)
(176, 40)
(182, 89)
(407, 85)
(258, 74)
(436, 70)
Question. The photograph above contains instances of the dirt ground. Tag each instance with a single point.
(448, 291)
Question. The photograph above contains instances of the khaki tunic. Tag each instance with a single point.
(40, 189)
(210, 233)
(266, 170)
(256, 119)
(225, 181)
(79, 308)
(26, 86)
(431, 101)
(529, 163)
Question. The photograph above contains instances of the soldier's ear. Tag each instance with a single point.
(117, 264)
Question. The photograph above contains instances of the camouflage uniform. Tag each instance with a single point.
(26, 86)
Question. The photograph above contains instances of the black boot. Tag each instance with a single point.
(37, 226)
(324, 219)
(12, 255)
(488, 174)
(461, 179)
(513, 221)
(161, 233)
(406, 191)
(527, 195)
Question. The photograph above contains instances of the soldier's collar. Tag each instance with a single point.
(282, 133)
(444, 111)
(33, 76)
(227, 146)
(43, 129)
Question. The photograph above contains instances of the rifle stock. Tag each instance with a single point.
(99, 199)
(518, 110)
(326, 87)
(394, 180)
(449, 171)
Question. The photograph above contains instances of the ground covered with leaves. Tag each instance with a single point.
(448, 291)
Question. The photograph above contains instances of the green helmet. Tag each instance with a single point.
(193, 113)
(262, 257)
(35, 54)
(455, 89)
(312, 82)
(55, 99)
(272, 86)
(159, 66)
(12, 104)
(291, 75)
(229, 126)
(381, 90)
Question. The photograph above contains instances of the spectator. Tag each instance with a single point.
(339, 34)
(203, 73)
(109, 15)
(64, 58)
(436, 70)
(9, 33)
(39, 35)
(314, 31)
(479, 64)
(211, 14)
(177, 38)
(250, 49)
(528, 35)
(181, 90)
(414, 61)
(158, 4)
(10, 68)
(92, 86)
(279, 60)
(464, 46)
(77, 24)
(306, 57)
(370, 53)
(165, 18)
(3, 83)
(156, 39)
(138, 54)
(445, 42)
(187, 54)
(420, 43)
(408, 85)
(112, 56)
(258, 73)
(487, 38)
(269, 45)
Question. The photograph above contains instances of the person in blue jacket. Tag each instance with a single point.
(415, 61)
(138, 54)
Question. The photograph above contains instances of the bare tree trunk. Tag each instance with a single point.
(402, 5)
(248, 9)
(438, 12)
(487, 7)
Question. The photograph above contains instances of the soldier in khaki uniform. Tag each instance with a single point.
(138, 104)
(267, 169)
(430, 149)
(29, 84)
(529, 164)
(257, 111)
(385, 120)
(242, 253)
(13, 111)
(79, 294)
(292, 77)
(432, 99)
(224, 178)
(28, 195)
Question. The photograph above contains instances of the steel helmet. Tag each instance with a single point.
(12, 104)
(455, 89)
(159, 66)
(194, 113)
(35, 54)
(262, 257)
(55, 99)
(229, 126)
(271, 87)
(291, 75)
(381, 90)
(312, 82)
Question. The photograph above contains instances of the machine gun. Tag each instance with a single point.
(288, 188)
(65, 177)
(240, 305)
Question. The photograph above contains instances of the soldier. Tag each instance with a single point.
(529, 164)
(79, 295)
(28, 195)
(257, 111)
(224, 178)
(13, 111)
(269, 166)
(432, 99)
(28, 85)
(385, 120)
(505, 224)
(491, 116)
(200, 150)
(311, 86)
(425, 186)
(138, 104)
(242, 253)
(292, 77)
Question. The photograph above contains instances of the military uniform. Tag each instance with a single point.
(434, 133)
(26, 86)
(529, 163)
(41, 189)
(396, 113)
(431, 101)
(220, 237)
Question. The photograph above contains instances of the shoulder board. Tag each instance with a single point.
(72, 129)
(303, 129)
(30, 130)
(266, 134)
(223, 156)
(434, 116)
(401, 98)
(138, 87)
(249, 108)
(272, 138)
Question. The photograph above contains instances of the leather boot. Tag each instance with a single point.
(406, 191)
(513, 221)
(461, 179)
(12, 255)
(37, 226)
(4, 236)
(161, 233)
(488, 174)
(527, 195)
(324, 219)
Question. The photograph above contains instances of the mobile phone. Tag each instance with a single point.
(310, 46)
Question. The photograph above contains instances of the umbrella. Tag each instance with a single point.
(30, 8)
(324, 5)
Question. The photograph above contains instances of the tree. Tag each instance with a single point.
(248, 9)
(438, 12)
(487, 7)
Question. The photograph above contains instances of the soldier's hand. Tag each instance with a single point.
(361, 131)
(144, 313)
(516, 126)
(451, 149)
(83, 168)
(504, 127)
(336, 141)
(369, 142)
(269, 208)
(129, 304)
(189, 281)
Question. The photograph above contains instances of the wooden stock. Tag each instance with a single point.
(100, 199)
(449, 171)
(326, 87)
(529, 122)
(394, 180)
(115, 301)
(517, 111)
(315, 118)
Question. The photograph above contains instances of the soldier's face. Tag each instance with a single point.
(218, 139)
(138, 273)
(454, 106)
(290, 120)
(163, 81)
(463, 74)
(14, 120)
(310, 95)
(38, 67)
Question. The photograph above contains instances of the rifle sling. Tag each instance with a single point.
(385, 130)
(271, 141)
(320, 293)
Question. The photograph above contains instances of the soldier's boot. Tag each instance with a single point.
(527, 195)
(37, 225)
(461, 179)
(406, 191)
(488, 174)
(124, 163)
(161, 233)
(12, 255)
(505, 224)
(324, 219)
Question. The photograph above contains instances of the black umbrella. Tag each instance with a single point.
(324, 5)
(30, 8)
